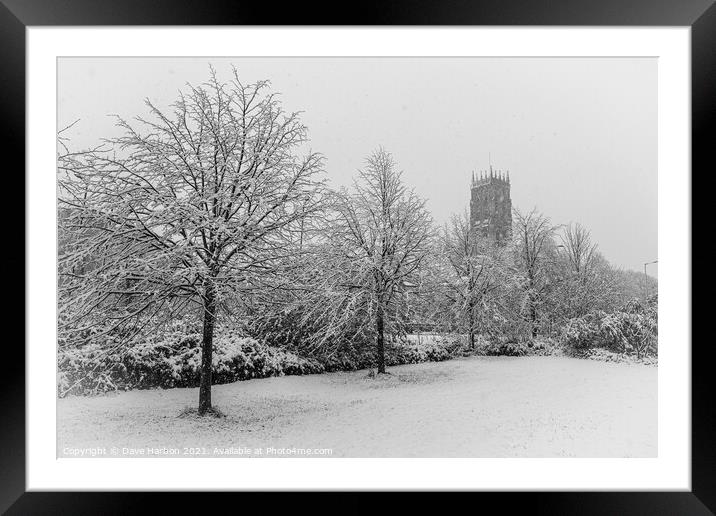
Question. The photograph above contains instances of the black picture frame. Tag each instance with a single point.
(17, 15)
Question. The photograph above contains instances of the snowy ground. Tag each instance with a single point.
(471, 407)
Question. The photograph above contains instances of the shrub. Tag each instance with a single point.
(632, 330)
(510, 349)
(544, 346)
(499, 345)
(173, 360)
(605, 355)
(584, 332)
(413, 351)
(410, 349)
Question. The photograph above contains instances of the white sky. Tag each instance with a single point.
(578, 135)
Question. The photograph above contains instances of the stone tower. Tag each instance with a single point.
(490, 204)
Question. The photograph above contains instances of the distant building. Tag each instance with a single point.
(490, 204)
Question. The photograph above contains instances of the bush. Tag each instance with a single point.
(500, 345)
(510, 349)
(632, 330)
(605, 355)
(585, 332)
(544, 346)
(408, 350)
(174, 360)
(414, 351)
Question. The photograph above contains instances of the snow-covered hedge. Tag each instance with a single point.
(632, 330)
(173, 360)
(605, 355)
(510, 349)
(415, 350)
(410, 350)
(586, 332)
(503, 345)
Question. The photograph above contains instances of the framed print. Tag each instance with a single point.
(424, 249)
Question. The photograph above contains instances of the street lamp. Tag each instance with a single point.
(646, 279)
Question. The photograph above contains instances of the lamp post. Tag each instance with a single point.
(646, 279)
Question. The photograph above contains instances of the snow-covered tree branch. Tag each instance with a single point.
(186, 208)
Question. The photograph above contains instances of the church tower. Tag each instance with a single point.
(490, 204)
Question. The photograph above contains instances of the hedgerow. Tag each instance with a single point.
(632, 330)
(173, 360)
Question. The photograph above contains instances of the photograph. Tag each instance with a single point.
(349, 257)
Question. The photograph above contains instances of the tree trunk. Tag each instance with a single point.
(380, 328)
(471, 326)
(207, 344)
(533, 316)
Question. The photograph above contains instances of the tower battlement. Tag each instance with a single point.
(490, 204)
(486, 177)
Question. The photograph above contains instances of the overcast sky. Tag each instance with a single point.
(578, 135)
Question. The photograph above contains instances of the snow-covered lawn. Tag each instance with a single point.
(471, 407)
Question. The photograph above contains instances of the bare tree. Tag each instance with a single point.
(382, 232)
(476, 266)
(587, 281)
(577, 246)
(184, 210)
(533, 238)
